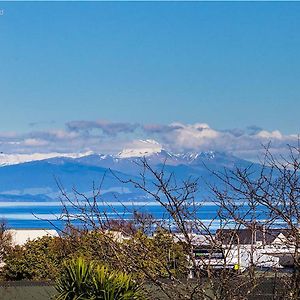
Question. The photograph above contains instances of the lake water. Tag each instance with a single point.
(38, 214)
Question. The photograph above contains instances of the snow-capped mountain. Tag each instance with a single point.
(146, 148)
(150, 149)
(12, 159)
(38, 178)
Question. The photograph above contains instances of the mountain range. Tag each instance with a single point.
(38, 180)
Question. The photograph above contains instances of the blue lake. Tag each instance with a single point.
(38, 214)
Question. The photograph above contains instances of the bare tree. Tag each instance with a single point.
(165, 258)
(263, 199)
(186, 257)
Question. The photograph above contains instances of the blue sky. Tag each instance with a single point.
(230, 65)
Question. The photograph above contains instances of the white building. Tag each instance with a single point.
(239, 249)
(21, 236)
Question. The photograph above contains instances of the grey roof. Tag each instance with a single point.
(248, 236)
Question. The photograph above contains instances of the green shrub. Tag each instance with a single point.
(36, 260)
(83, 280)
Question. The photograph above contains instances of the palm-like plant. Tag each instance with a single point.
(75, 280)
(114, 285)
(81, 280)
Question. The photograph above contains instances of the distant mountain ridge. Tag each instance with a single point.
(15, 158)
(37, 180)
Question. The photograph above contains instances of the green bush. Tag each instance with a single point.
(82, 280)
(36, 260)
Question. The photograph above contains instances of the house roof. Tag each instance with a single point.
(248, 236)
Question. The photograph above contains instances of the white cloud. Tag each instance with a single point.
(191, 136)
(276, 134)
(8, 134)
(110, 137)
(35, 142)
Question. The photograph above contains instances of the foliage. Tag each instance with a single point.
(5, 239)
(42, 259)
(157, 257)
(80, 279)
(36, 260)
